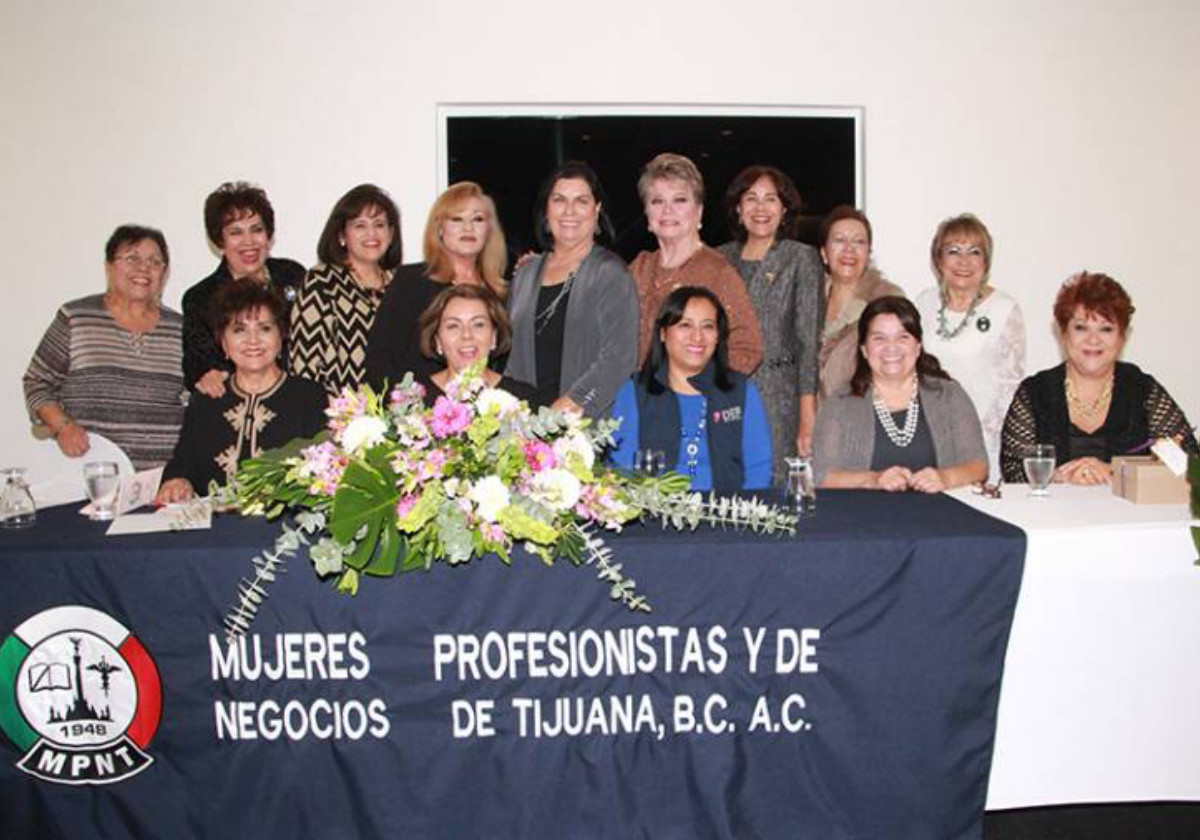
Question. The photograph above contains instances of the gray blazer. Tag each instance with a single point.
(600, 333)
(845, 435)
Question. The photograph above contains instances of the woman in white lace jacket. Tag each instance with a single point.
(976, 331)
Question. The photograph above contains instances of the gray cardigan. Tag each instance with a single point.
(600, 334)
(845, 435)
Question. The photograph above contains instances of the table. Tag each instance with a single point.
(1100, 683)
(869, 712)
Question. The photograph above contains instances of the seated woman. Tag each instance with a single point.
(903, 423)
(1092, 406)
(462, 325)
(707, 420)
(109, 364)
(262, 407)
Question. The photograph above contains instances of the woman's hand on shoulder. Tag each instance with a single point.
(72, 440)
(174, 490)
(212, 384)
(894, 479)
(928, 480)
(1085, 471)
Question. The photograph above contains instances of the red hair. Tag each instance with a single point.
(1096, 294)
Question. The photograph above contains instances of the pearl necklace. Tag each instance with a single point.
(943, 330)
(900, 437)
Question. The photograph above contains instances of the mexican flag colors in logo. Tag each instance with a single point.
(79, 696)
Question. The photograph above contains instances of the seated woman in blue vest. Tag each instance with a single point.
(707, 420)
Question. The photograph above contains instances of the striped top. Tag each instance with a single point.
(126, 386)
(331, 319)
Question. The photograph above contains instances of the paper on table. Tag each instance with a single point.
(134, 491)
(189, 516)
(1171, 454)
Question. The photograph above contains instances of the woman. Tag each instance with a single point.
(464, 244)
(334, 311)
(462, 325)
(240, 222)
(575, 288)
(708, 420)
(110, 363)
(783, 278)
(262, 407)
(1092, 406)
(851, 282)
(904, 424)
(672, 194)
(980, 334)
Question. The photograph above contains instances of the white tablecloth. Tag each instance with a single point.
(1101, 693)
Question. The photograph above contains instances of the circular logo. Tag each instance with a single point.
(83, 696)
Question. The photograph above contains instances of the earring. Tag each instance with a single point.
(437, 345)
(342, 242)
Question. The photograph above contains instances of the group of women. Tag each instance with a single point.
(725, 360)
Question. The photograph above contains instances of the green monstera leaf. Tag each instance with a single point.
(366, 502)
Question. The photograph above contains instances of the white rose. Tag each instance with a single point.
(490, 497)
(557, 489)
(502, 401)
(364, 432)
(577, 443)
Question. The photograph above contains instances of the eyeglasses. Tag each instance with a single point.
(971, 251)
(138, 261)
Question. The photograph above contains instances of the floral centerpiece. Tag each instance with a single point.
(393, 486)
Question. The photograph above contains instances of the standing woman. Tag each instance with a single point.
(109, 363)
(335, 309)
(240, 223)
(975, 330)
(672, 194)
(576, 288)
(851, 282)
(463, 243)
(706, 419)
(784, 279)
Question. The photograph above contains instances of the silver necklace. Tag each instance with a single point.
(943, 330)
(542, 319)
(900, 437)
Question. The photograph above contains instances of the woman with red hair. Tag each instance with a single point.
(1092, 406)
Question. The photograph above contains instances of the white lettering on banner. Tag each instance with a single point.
(296, 657)
(779, 655)
(325, 720)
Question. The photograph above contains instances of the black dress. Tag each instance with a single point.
(201, 347)
(219, 433)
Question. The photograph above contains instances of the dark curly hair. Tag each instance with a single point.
(233, 200)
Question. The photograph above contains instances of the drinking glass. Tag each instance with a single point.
(801, 488)
(1039, 469)
(649, 462)
(101, 479)
(17, 509)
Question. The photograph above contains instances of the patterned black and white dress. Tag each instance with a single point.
(124, 385)
(331, 319)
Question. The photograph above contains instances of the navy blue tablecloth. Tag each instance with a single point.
(869, 711)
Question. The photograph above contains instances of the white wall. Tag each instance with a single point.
(1071, 128)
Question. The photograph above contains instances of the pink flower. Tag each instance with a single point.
(401, 397)
(492, 532)
(405, 505)
(540, 456)
(324, 465)
(432, 466)
(450, 418)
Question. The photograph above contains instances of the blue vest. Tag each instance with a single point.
(658, 425)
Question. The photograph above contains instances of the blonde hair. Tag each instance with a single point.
(671, 167)
(490, 262)
(964, 226)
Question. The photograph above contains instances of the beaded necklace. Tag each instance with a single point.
(943, 329)
(691, 448)
(900, 437)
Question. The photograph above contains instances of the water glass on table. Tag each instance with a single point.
(17, 509)
(101, 479)
(1039, 469)
(801, 485)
